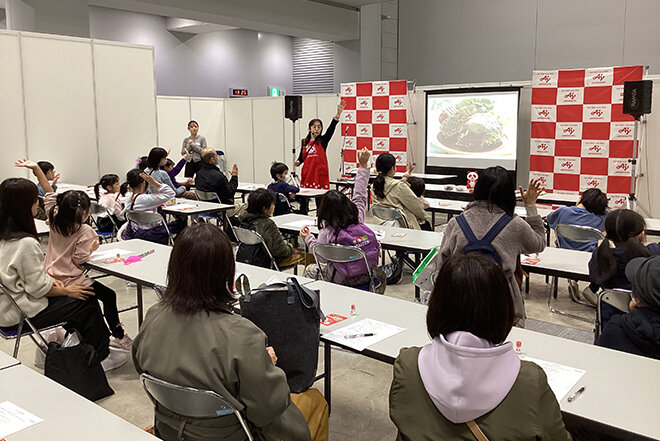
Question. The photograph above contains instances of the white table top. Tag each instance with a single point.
(605, 399)
(419, 175)
(42, 228)
(63, 186)
(456, 207)
(246, 187)
(652, 226)
(7, 361)
(185, 207)
(413, 240)
(561, 261)
(66, 415)
(152, 270)
(558, 198)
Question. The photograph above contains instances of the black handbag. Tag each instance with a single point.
(290, 316)
(75, 367)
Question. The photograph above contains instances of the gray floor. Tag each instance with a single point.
(360, 385)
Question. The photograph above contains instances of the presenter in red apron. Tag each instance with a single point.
(312, 156)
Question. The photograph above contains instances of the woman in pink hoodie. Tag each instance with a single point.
(468, 375)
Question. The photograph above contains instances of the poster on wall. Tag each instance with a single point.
(375, 117)
(472, 127)
(580, 138)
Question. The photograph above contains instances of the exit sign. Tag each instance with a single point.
(237, 93)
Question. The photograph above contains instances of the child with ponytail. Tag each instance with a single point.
(111, 201)
(624, 240)
(71, 243)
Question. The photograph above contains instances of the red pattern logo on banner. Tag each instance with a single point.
(580, 137)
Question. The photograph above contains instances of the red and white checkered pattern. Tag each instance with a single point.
(376, 118)
(580, 137)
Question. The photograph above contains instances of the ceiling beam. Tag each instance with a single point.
(300, 18)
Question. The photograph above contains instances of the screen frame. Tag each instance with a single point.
(467, 90)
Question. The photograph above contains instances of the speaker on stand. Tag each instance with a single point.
(636, 102)
(293, 111)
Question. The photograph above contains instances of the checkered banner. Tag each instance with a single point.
(375, 117)
(580, 136)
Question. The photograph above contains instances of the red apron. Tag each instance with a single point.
(315, 172)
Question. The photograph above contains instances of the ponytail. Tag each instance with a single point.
(123, 189)
(384, 164)
(106, 181)
(96, 190)
(607, 263)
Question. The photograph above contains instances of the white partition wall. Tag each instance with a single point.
(239, 141)
(12, 124)
(210, 115)
(268, 116)
(125, 103)
(60, 112)
(88, 106)
(173, 116)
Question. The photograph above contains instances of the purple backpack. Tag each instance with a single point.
(361, 236)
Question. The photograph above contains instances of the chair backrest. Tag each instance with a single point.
(190, 402)
(97, 209)
(148, 219)
(617, 298)
(389, 214)
(251, 237)
(282, 204)
(23, 318)
(343, 254)
(207, 196)
(579, 233)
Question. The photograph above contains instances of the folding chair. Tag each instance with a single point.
(189, 402)
(148, 219)
(211, 196)
(18, 332)
(576, 233)
(251, 238)
(282, 205)
(94, 212)
(617, 298)
(389, 214)
(335, 253)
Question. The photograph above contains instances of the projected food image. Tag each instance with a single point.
(471, 126)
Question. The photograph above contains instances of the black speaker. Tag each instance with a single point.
(637, 97)
(293, 107)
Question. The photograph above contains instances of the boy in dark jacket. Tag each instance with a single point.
(278, 172)
(638, 332)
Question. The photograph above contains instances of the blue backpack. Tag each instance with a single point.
(483, 245)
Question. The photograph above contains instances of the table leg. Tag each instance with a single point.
(433, 220)
(140, 306)
(327, 362)
(418, 292)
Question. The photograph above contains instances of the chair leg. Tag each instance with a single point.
(552, 292)
(18, 338)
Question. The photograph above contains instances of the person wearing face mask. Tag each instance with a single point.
(193, 145)
(156, 160)
(314, 173)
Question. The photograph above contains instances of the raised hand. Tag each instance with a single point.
(363, 157)
(26, 163)
(234, 170)
(56, 178)
(340, 108)
(530, 195)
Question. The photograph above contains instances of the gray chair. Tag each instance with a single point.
(335, 253)
(250, 237)
(94, 212)
(211, 196)
(617, 298)
(575, 233)
(147, 219)
(189, 402)
(389, 214)
(9, 333)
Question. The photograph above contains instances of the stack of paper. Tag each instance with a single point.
(561, 378)
(353, 335)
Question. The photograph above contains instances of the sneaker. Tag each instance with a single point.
(590, 296)
(123, 344)
(114, 360)
(573, 290)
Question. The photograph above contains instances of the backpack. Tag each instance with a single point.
(361, 236)
(483, 245)
(252, 254)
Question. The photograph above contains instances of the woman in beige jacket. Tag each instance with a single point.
(390, 192)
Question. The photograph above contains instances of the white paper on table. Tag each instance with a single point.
(561, 378)
(184, 206)
(14, 419)
(108, 254)
(300, 223)
(380, 330)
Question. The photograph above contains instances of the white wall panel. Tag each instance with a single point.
(60, 108)
(239, 146)
(209, 114)
(12, 124)
(126, 105)
(268, 114)
(173, 117)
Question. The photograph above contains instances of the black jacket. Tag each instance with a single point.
(210, 178)
(637, 332)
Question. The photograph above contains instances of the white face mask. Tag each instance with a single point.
(162, 162)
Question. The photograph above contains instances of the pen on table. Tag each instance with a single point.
(575, 395)
(368, 334)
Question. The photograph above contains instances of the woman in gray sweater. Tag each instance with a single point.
(494, 196)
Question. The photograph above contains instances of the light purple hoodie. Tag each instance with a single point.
(466, 376)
